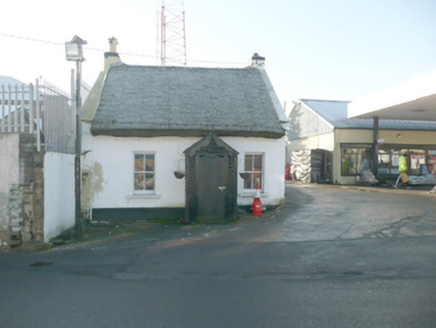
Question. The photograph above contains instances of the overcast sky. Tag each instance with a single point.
(335, 49)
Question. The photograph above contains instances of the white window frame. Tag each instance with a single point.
(262, 180)
(143, 192)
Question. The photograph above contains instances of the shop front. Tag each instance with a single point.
(357, 159)
(412, 101)
(421, 163)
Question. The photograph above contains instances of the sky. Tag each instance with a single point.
(318, 49)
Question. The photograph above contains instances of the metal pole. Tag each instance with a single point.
(38, 116)
(375, 154)
(77, 162)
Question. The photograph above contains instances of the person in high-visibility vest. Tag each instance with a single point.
(402, 163)
(402, 167)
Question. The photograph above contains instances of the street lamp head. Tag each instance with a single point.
(74, 50)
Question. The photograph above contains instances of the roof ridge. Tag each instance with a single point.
(121, 64)
(324, 100)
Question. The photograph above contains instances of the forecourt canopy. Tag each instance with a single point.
(413, 100)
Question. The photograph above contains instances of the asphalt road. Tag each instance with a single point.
(331, 257)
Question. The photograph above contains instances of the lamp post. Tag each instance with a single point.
(74, 52)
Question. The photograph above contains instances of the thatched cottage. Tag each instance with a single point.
(181, 142)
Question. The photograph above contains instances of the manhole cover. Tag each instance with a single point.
(41, 263)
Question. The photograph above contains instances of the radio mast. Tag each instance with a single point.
(173, 37)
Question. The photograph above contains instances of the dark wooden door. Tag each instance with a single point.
(212, 181)
(211, 177)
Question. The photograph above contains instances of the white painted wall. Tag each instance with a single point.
(59, 200)
(274, 157)
(111, 165)
(9, 173)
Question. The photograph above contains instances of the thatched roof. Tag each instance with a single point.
(180, 101)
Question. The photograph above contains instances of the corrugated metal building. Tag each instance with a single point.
(324, 124)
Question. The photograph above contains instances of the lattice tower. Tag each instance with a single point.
(173, 37)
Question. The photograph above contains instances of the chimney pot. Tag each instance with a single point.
(111, 57)
(113, 42)
(257, 61)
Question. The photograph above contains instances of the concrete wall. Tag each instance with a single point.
(59, 200)
(9, 175)
(110, 164)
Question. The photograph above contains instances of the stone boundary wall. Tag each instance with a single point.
(25, 199)
(9, 175)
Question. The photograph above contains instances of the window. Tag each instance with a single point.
(431, 161)
(395, 157)
(421, 160)
(254, 165)
(356, 160)
(388, 160)
(384, 162)
(416, 161)
(144, 173)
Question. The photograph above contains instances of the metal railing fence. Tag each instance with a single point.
(41, 109)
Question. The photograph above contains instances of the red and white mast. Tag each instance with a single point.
(173, 34)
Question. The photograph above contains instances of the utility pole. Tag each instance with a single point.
(74, 52)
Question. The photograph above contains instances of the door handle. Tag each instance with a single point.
(222, 188)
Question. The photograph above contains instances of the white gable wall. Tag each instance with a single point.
(111, 163)
(59, 201)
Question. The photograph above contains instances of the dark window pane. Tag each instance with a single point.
(248, 183)
(257, 162)
(346, 163)
(248, 162)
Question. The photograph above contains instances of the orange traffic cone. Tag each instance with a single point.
(257, 204)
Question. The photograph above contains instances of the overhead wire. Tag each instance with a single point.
(25, 38)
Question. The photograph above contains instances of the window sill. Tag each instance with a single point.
(144, 196)
(251, 194)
